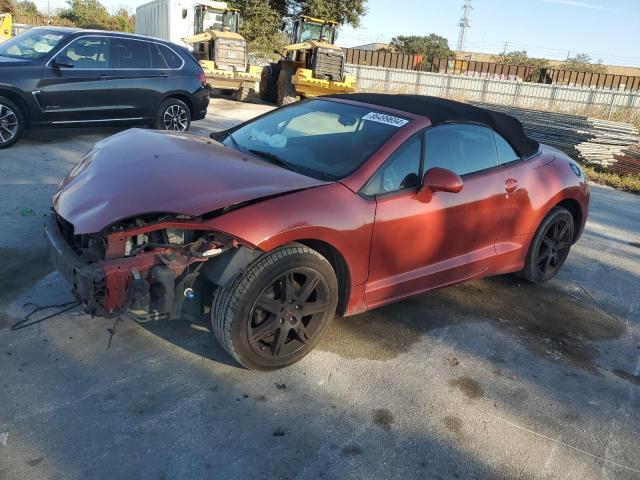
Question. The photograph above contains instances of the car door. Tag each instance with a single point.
(142, 77)
(77, 85)
(417, 246)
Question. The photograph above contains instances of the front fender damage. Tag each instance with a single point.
(147, 270)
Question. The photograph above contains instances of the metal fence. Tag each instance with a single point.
(486, 90)
(382, 58)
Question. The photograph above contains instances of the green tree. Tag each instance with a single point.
(86, 14)
(261, 26)
(28, 8)
(582, 63)
(122, 21)
(520, 57)
(341, 11)
(430, 47)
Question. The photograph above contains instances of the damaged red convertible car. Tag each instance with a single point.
(338, 204)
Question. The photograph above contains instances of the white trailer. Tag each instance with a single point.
(171, 20)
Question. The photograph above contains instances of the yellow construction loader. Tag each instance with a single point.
(6, 26)
(312, 65)
(222, 51)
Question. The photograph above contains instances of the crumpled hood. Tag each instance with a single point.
(139, 172)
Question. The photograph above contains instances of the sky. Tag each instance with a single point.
(554, 29)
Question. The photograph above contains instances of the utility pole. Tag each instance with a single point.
(506, 45)
(465, 23)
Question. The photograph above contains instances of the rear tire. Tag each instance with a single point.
(286, 90)
(275, 312)
(173, 115)
(12, 123)
(269, 83)
(550, 247)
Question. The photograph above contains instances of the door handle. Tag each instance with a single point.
(106, 77)
(511, 185)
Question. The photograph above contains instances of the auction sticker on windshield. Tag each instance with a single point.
(386, 119)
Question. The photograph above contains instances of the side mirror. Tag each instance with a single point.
(62, 61)
(439, 180)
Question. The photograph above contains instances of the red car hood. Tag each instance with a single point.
(141, 171)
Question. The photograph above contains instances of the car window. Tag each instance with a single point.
(400, 171)
(171, 57)
(506, 153)
(88, 53)
(322, 139)
(460, 148)
(157, 60)
(132, 54)
(31, 45)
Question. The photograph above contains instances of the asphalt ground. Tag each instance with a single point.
(492, 379)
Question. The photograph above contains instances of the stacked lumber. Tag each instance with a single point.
(587, 140)
(627, 161)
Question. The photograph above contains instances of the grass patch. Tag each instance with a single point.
(629, 182)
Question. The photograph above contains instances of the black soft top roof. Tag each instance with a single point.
(440, 110)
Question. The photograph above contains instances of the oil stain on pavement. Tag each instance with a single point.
(546, 321)
(471, 389)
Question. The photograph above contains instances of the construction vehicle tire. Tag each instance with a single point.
(269, 83)
(286, 89)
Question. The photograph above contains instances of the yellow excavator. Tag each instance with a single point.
(312, 65)
(222, 51)
(6, 26)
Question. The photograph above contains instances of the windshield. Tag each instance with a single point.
(318, 138)
(213, 20)
(31, 45)
(315, 31)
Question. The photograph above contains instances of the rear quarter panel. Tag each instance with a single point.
(543, 182)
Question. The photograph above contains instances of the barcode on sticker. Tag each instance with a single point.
(386, 119)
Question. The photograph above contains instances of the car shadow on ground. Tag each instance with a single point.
(548, 322)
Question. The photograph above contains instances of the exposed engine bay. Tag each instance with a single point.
(146, 267)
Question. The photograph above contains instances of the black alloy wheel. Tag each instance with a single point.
(550, 246)
(288, 313)
(276, 310)
(554, 248)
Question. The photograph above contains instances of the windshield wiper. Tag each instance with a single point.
(235, 143)
(272, 158)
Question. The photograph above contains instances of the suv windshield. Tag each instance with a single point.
(31, 45)
(318, 138)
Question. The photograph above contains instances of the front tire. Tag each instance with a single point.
(173, 115)
(269, 83)
(286, 90)
(12, 123)
(550, 246)
(276, 310)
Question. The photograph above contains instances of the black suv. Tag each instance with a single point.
(64, 76)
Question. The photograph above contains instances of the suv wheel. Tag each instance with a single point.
(173, 115)
(11, 123)
(276, 310)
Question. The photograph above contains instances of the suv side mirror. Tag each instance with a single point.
(62, 61)
(439, 180)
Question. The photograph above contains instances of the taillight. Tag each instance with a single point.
(203, 78)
